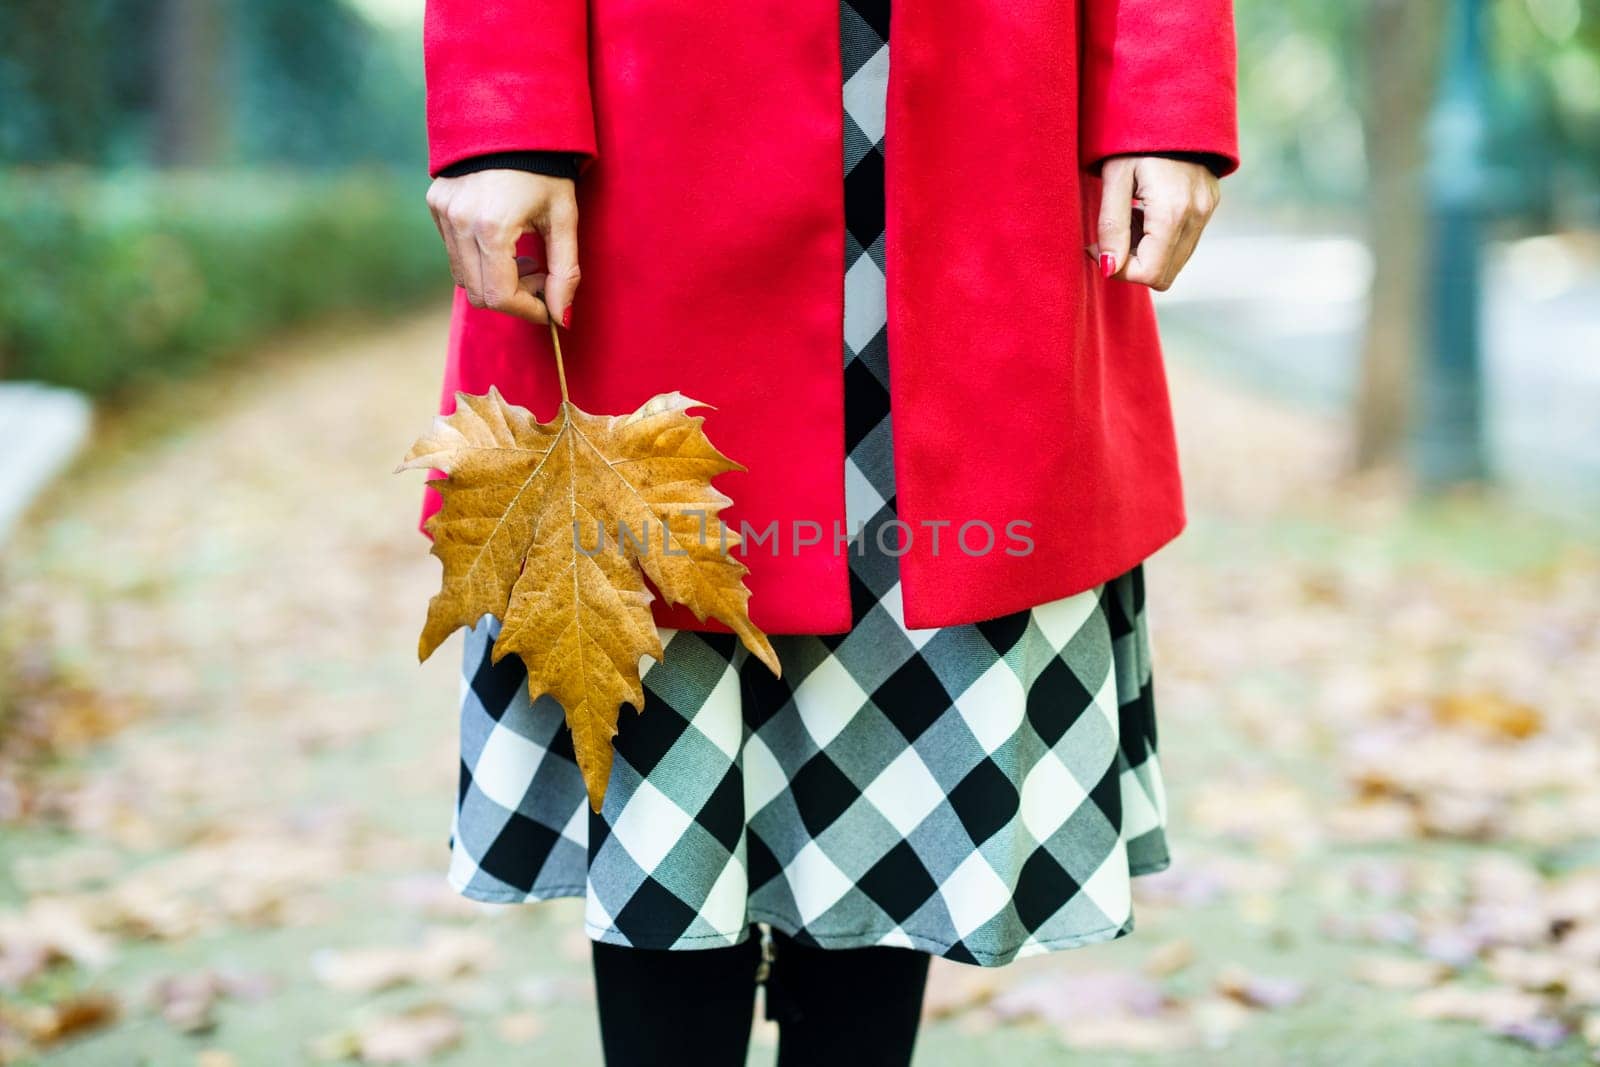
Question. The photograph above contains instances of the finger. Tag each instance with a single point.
(505, 288)
(467, 259)
(532, 286)
(526, 303)
(1184, 249)
(561, 253)
(1116, 215)
(497, 266)
(444, 238)
(533, 279)
(450, 251)
(438, 206)
(1148, 263)
(1200, 212)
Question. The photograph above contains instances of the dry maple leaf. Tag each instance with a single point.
(553, 527)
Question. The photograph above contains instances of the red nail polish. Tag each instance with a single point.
(566, 317)
(1108, 264)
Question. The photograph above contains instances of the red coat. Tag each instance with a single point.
(1024, 387)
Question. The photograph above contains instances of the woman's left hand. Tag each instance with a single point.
(1149, 243)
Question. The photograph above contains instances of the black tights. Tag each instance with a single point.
(694, 1007)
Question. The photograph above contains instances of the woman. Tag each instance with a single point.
(959, 759)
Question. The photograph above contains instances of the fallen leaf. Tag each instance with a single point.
(1125, 1033)
(553, 527)
(1400, 972)
(519, 1028)
(47, 930)
(1260, 991)
(186, 1001)
(1490, 712)
(956, 987)
(1169, 958)
(409, 1037)
(1067, 998)
(1373, 821)
(442, 954)
(1536, 971)
(1542, 1033)
(1490, 1006)
(45, 1024)
(1218, 1018)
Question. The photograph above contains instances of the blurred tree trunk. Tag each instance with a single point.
(1403, 41)
(46, 46)
(191, 105)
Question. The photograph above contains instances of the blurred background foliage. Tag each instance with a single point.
(143, 274)
(243, 83)
(1308, 69)
(171, 172)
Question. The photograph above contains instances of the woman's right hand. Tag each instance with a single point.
(481, 215)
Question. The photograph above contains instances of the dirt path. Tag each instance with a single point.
(239, 852)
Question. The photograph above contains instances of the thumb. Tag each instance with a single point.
(561, 257)
(1116, 214)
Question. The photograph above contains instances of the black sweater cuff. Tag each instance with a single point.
(554, 163)
(1210, 160)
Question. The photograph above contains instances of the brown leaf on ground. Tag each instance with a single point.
(1125, 1033)
(1400, 972)
(1260, 991)
(442, 954)
(1374, 821)
(48, 930)
(46, 1024)
(1488, 1006)
(1169, 957)
(1490, 712)
(1067, 998)
(956, 987)
(1537, 971)
(188, 1001)
(410, 1036)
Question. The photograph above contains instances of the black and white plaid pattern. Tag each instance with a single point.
(979, 792)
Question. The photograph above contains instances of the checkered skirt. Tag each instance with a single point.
(979, 792)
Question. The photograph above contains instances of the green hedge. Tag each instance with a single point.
(107, 280)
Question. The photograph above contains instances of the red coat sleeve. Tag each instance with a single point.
(507, 76)
(1158, 76)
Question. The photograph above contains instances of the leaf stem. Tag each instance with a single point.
(561, 367)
